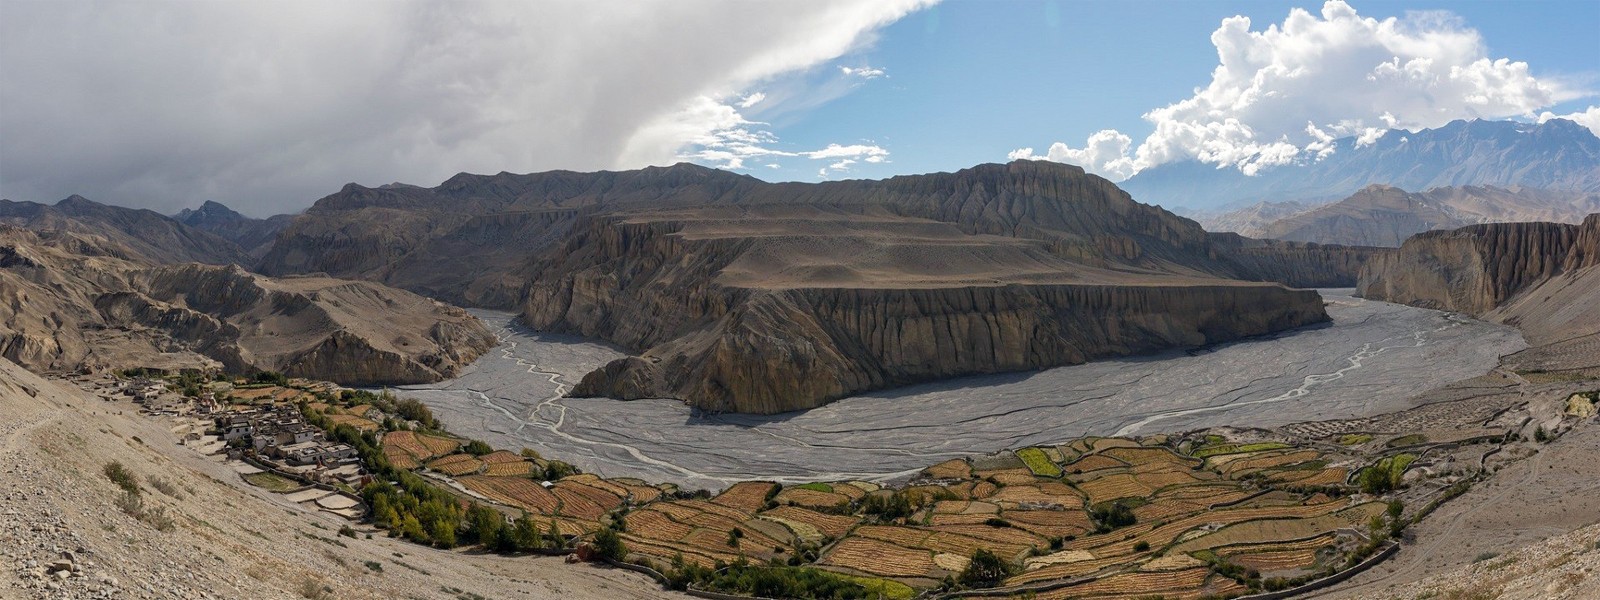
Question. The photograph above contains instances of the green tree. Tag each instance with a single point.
(478, 448)
(608, 544)
(986, 569)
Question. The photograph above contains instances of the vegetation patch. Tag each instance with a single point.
(1237, 448)
(1038, 462)
(1354, 439)
(1407, 440)
(273, 482)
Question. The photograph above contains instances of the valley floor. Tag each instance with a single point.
(1373, 359)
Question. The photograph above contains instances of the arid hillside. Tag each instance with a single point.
(74, 301)
(200, 532)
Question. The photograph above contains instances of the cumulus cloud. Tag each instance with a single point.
(269, 105)
(715, 132)
(1588, 118)
(1282, 94)
(862, 72)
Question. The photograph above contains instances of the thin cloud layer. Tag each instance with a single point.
(269, 105)
(1284, 93)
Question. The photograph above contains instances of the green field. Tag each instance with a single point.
(1237, 448)
(272, 482)
(1038, 462)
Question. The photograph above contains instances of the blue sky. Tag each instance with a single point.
(968, 82)
(267, 107)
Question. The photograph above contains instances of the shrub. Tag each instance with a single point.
(347, 531)
(1540, 435)
(986, 569)
(121, 476)
(272, 377)
(375, 566)
(163, 486)
(1141, 546)
(477, 448)
(608, 544)
(1112, 515)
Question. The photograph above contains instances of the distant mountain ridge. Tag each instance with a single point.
(149, 236)
(1556, 155)
(1381, 215)
(252, 235)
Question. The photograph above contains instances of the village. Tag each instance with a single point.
(256, 426)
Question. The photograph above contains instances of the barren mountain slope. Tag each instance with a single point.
(777, 308)
(228, 539)
(71, 302)
(141, 235)
(473, 239)
(1381, 215)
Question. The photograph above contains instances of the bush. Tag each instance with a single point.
(121, 476)
(1141, 546)
(272, 377)
(375, 566)
(986, 569)
(1112, 515)
(133, 505)
(608, 544)
(477, 448)
(163, 486)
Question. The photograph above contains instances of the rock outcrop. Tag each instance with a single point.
(1543, 278)
(73, 302)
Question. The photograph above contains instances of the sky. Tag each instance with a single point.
(266, 107)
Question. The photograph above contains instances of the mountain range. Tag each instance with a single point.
(1555, 155)
(254, 236)
(1382, 215)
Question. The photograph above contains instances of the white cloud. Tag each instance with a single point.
(715, 132)
(862, 72)
(1106, 154)
(1281, 94)
(1588, 118)
(268, 106)
(752, 100)
(774, 166)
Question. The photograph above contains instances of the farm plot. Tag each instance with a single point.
(1019, 476)
(882, 559)
(1244, 466)
(359, 423)
(1263, 531)
(406, 441)
(399, 458)
(1277, 561)
(830, 525)
(501, 456)
(747, 496)
(438, 446)
(513, 491)
(1226, 448)
(1113, 487)
(1039, 462)
(456, 465)
(521, 468)
(954, 468)
(1050, 523)
(1164, 583)
(664, 553)
(1142, 456)
(656, 525)
(801, 496)
(1093, 462)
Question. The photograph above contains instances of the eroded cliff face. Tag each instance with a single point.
(795, 349)
(1472, 269)
(796, 330)
(73, 304)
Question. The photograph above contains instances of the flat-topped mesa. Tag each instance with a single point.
(1477, 268)
(792, 307)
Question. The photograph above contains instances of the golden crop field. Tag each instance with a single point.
(576, 503)
(513, 491)
(1262, 531)
(655, 525)
(954, 468)
(400, 458)
(408, 442)
(1112, 487)
(501, 456)
(813, 498)
(1093, 462)
(1051, 523)
(1280, 560)
(438, 446)
(1155, 582)
(1064, 570)
(881, 558)
(354, 421)
(664, 553)
(456, 465)
(520, 468)
(830, 525)
(747, 496)
(899, 536)
(1139, 456)
(1242, 466)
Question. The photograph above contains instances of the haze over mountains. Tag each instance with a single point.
(254, 236)
(1555, 155)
